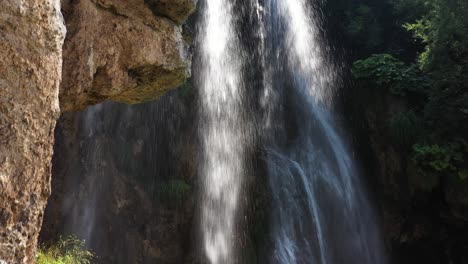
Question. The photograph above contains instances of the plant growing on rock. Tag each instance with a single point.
(69, 250)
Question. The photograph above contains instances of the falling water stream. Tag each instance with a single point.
(320, 210)
(222, 129)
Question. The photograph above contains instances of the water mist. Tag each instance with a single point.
(222, 129)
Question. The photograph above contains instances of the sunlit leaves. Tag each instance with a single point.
(385, 71)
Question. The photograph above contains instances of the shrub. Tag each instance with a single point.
(386, 71)
(442, 159)
(68, 250)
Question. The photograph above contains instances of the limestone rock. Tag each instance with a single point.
(120, 50)
(31, 38)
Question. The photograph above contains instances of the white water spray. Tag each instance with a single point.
(221, 128)
(321, 213)
(305, 50)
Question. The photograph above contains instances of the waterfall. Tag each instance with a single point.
(222, 129)
(321, 213)
(83, 215)
(319, 208)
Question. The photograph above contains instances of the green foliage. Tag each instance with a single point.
(420, 28)
(68, 250)
(383, 67)
(442, 159)
(444, 30)
(385, 71)
(173, 193)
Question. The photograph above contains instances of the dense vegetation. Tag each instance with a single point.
(416, 50)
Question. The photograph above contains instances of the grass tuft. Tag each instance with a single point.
(69, 250)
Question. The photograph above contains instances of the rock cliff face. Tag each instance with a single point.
(124, 50)
(31, 38)
(121, 50)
